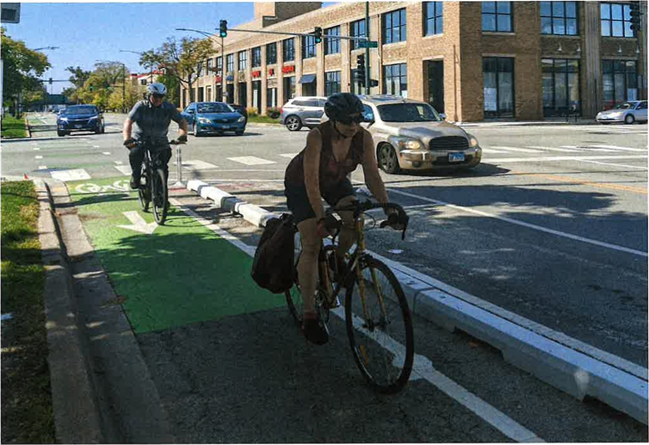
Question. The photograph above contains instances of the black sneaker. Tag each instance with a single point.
(315, 331)
(135, 183)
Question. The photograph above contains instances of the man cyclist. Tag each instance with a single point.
(333, 150)
(152, 117)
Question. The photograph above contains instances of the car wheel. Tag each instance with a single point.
(103, 128)
(197, 131)
(239, 133)
(61, 133)
(293, 123)
(388, 159)
(629, 119)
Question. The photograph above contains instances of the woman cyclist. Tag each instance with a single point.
(333, 150)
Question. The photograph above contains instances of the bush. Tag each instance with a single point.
(252, 111)
(273, 113)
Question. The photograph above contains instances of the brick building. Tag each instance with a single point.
(470, 60)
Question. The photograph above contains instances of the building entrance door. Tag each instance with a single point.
(436, 85)
(256, 95)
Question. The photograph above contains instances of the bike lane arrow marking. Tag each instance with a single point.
(138, 224)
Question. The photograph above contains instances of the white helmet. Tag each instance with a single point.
(157, 88)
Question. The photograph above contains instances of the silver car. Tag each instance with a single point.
(411, 135)
(302, 112)
(627, 112)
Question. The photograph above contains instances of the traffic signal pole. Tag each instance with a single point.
(367, 48)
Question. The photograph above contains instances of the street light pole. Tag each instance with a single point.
(51, 84)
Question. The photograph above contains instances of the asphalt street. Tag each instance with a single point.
(551, 226)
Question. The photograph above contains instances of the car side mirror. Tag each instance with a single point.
(191, 111)
(368, 118)
(442, 116)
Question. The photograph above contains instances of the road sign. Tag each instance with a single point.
(368, 44)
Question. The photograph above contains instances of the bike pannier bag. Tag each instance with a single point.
(273, 266)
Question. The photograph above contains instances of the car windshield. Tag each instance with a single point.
(215, 107)
(408, 112)
(624, 106)
(81, 111)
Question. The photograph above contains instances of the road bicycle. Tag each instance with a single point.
(153, 181)
(378, 320)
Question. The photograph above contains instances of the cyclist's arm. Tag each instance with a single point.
(371, 170)
(128, 128)
(312, 171)
(180, 120)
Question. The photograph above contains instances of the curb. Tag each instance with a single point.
(76, 415)
(573, 367)
(523, 124)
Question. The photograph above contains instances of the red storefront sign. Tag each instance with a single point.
(218, 79)
(288, 69)
(271, 72)
(256, 73)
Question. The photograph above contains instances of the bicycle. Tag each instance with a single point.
(373, 307)
(153, 182)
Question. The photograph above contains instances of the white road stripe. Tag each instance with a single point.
(70, 175)
(107, 153)
(251, 160)
(565, 150)
(617, 165)
(42, 167)
(522, 150)
(118, 162)
(422, 368)
(124, 169)
(38, 157)
(616, 147)
(95, 146)
(524, 224)
(289, 155)
(490, 151)
(36, 148)
(566, 158)
(582, 149)
(198, 165)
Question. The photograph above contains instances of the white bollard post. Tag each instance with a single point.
(179, 167)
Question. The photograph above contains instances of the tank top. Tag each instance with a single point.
(332, 172)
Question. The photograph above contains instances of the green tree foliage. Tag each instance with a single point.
(78, 78)
(22, 68)
(179, 59)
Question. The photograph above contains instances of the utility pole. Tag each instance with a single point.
(367, 48)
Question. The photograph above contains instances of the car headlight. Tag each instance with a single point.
(93, 117)
(63, 119)
(473, 142)
(203, 120)
(406, 143)
(241, 119)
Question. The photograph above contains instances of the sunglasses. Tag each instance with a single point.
(158, 96)
(348, 121)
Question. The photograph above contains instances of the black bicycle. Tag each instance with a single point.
(379, 323)
(153, 181)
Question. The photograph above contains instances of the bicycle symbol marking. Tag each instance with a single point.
(120, 185)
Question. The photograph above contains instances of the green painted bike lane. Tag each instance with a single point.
(181, 273)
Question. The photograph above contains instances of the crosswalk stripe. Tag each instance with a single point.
(42, 167)
(124, 169)
(289, 155)
(565, 150)
(38, 157)
(522, 150)
(198, 165)
(617, 147)
(566, 158)
(107, 153)
(251, 160)
(36, 148)
(70, 175)
(588, 148)
(490, 150)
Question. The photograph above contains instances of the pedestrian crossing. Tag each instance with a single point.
(580, 149)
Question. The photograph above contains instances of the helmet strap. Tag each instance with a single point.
(340, 135)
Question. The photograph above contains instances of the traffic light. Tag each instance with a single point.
(223, 28)
(635, 16)
(50, 81)
(360, 69)
(91, 88)
(317, 34)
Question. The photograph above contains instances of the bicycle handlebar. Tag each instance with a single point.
(359, 207)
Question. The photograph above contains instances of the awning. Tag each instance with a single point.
(308, 78)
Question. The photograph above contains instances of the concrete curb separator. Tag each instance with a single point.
(75, 409)
(565, 363)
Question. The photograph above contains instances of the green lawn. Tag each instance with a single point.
(13, 128)
(262, 120)
(27, 415)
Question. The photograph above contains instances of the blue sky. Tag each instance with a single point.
(86, 32)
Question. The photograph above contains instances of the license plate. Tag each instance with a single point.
(225, 127)
(78, 126)
(455, 157)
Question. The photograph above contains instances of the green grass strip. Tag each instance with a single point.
(13, 128)
(27, 415)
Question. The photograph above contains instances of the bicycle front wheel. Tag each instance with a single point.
(379, 326)
(144, 191)
(160, 196)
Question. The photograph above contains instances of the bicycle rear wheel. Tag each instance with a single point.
(380, 331)
(160, 196)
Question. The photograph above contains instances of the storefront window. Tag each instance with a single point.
(395, 79)
(498, 74)
(289, 88)
(620, 82)
(560, 86)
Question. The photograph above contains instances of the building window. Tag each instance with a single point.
(288, 49)
(560, 86)
(332, 45)
(256, 57)
(271, 53)
(616, 20)
(357, 29)
(308, 47)
(498, 74)
(433, 18)
(497, 16)
(395, 79)
(219, 66)
(559, 18)
(210, 66)
(230, 62)
(143, 82)
(620, 81)
(243, 60)
(394, 26)
(271, 97)
(289, 88)
(332, 83)
(199, 69)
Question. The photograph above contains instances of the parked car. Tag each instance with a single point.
(302, 112)
(213, 118)
(627, 112)
(411, 135)
(80, 118)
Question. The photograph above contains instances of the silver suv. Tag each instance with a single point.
(302, 112)
(411, 135)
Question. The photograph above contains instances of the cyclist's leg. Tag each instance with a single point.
(135, 158)
(340, 196)
(165, 156)
(307, 267)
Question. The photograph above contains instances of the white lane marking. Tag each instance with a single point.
(70, 175)
(522, 150)
(251, 160)
(107, 153)
(617, 165)
(524, 224)
(36, 148)
(566, 158)
(118, 162)
(38, 157)
(198, 165)
(490, 151)
(582, 149)
(423, 367)
(42, 167)
(617, 147)
(95, 146)
(124, 169)
(289, 155)
(565, 150)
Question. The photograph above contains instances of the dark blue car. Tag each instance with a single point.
(80, 118)
(213, 118)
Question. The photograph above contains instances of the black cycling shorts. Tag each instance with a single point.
(298, 200)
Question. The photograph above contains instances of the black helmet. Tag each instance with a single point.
(342, 105)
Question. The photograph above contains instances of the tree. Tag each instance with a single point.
(179, 60)
(78, 78)
(22, 68)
